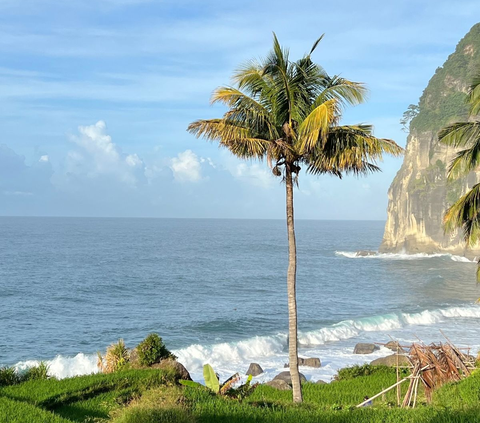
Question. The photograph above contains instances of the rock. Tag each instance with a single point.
(279, 384)
(420, 194)
(364, 348)
(391, 360)
(312, 362)
(393, 345)
(365, 253)
(321, 382)
(254, 369)
(285, 376)
(309, 362)
(180, 371)
(133, 356)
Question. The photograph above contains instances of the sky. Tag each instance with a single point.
(96, 96)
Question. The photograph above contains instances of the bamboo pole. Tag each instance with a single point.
(384, 391)
(398, 378)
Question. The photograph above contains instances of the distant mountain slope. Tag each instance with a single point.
(420, 192)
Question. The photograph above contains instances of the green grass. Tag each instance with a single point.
(88, 397)
(147, 396)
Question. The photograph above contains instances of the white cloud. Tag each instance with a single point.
(98, 156)
(186, 167)
(43, 159)
(18, 193)
(255, 174)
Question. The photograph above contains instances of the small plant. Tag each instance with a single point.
(8, 376)
(116, 358)
(152, 350)
(37, 372)
(213, 384)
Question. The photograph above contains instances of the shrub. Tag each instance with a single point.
(352, 372)
(152, 350)
(8, 376)
(36, 372)
(116, 358)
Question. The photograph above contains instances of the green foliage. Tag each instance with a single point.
(154, 415)
(87, 397)
(408, 115)
(37, 372)
(226, 388)
(152, 350)
(353, 372)
(8, 376)
(465, 393)
(116, 358)
(12, 411)
(211, 379)
(443, 101)
(108, 397)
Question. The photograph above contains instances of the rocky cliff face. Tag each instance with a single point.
(420, 192)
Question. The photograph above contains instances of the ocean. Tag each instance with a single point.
(215, 291)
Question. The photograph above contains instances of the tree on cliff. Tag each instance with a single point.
(288, 113)
(465, 213)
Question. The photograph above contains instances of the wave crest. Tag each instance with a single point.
(401, 256)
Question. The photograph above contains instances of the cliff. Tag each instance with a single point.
(420, 192)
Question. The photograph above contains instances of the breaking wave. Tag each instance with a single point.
(230, 357)
(400, 256)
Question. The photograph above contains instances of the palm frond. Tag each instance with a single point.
(250, 77)
(315, 44)
(460, 134)
(465, 214)
(316, 125)
(237, 139)
(350, 149)
(464, 162)
(246, 111)
(474, 96)
(343, 90)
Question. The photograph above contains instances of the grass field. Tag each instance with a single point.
(147, 396)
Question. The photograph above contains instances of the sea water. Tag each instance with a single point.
(215, 290)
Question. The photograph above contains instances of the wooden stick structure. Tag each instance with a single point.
(433, 365)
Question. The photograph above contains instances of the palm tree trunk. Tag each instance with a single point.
(291, 289)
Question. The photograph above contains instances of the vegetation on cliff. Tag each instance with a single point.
(443, 101)
(465, 212)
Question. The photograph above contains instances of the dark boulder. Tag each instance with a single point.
(393, 346)
(254, 369)
(364, 348)
(309, 362)
(181, 373)
(279, 384)
(285, 376)
(391, 360)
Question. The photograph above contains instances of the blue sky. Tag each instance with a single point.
(95, 98)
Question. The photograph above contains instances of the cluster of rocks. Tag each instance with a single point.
(283, 381)
(399, 356)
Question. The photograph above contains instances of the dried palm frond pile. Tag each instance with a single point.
(435, 365)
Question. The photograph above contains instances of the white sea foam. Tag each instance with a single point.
(330, 343)
(62, 367)
(463, 259)
(402, 256)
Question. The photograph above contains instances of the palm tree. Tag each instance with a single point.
(288, 113)
(465, 213)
